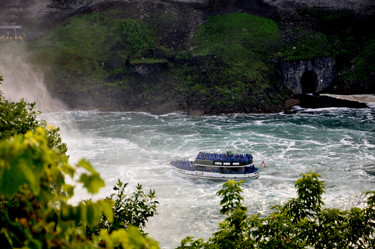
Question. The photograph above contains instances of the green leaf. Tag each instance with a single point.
(107, 209)
(92, 182)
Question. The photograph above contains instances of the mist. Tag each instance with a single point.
(24, 80)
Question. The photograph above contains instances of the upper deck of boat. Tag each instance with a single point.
(224, 160)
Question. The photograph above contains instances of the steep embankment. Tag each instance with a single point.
(196, 56)
(162, 57)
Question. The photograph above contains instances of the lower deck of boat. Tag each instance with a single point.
(215, 175)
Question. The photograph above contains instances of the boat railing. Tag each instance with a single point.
(188, 165)
(222, 163)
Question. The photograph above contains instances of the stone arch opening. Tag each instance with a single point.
(308, 82)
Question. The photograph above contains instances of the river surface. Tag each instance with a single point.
(338, 143)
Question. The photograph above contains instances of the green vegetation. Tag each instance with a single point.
(244, 42)
(74, 55)
(341, 37)
(21, 117)
(233, 53)
(134, 34)
(185, 55)
(34, 209)
(302, 222)
(308, 45)
(148, 61)
(35, 215)
(229, 61)
(365, 62)
(127, 212)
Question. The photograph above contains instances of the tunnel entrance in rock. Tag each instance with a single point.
(308, 82)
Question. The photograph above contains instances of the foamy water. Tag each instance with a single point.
(338, 143)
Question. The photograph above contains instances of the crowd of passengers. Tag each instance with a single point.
(185, 164)
(244, 158)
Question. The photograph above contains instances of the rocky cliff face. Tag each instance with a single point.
(144, 69)
(366, 7)
(39, 10)
(308, 76)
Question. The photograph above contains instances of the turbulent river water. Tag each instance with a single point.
(338, 143)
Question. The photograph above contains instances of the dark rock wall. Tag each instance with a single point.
(147, 68)
(39, 9)
(321, 69)
(366, 7)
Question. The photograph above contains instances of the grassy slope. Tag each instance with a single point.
(75, 53)
(72, 54)
(243, 45)
(230, 61)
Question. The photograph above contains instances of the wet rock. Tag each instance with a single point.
(287, 111)
(291, 102)
(196, 113)
(148, 68)
(116, 62)
(164, 108)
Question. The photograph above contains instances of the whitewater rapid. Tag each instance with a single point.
(338, 143)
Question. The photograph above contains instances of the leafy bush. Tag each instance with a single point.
(133, 211)
(21, 117)
(132, 32)
(34, 209)
(302, 222)
(35, 215)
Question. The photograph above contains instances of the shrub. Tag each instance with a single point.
(133, 33)
(34, 208)
(302, 222)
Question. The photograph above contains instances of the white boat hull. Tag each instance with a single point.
(214, 175)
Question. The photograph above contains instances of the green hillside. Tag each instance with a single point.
(228, 64)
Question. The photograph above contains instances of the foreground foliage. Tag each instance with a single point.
(127, 211)
(302, 222)
(35, 215)
(21, 117)
(34, 208)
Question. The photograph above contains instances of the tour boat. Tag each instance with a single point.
(217, 166)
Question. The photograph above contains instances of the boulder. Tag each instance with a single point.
(164, 108)
(291, 102)
(196, 113)
(147, 67)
